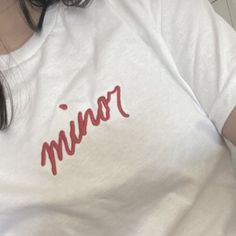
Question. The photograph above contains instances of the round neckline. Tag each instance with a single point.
(32, 45)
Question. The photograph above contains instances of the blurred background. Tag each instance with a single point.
(227, 9)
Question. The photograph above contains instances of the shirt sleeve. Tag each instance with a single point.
(203, 46)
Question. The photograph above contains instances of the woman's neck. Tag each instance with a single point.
(14, 30)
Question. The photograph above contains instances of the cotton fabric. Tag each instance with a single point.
(119, 109)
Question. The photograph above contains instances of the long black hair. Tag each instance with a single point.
(43, 5)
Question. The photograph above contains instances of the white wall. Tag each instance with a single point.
(227, 9)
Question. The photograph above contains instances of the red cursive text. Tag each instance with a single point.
(76, 136)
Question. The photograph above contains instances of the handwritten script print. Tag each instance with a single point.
(54, 149)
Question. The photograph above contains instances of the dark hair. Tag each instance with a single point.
(43, 5)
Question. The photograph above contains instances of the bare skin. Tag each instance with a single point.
(14, 31)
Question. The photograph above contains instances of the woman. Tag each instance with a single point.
(112, 115)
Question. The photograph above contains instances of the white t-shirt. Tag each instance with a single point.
(118, 113)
